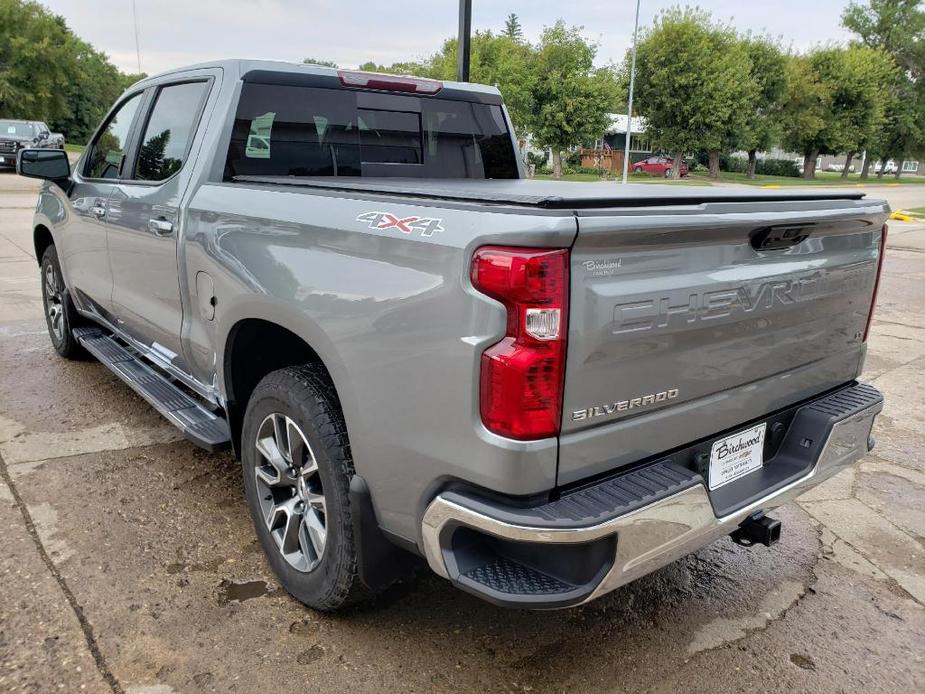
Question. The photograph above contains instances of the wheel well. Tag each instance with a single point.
(254, 349)
(42, 239)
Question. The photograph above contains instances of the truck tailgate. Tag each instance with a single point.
(683, 325)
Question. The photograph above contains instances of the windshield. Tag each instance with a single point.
(16, 129)
(287, 130)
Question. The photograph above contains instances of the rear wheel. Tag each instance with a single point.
(297, 470)
(60, 315)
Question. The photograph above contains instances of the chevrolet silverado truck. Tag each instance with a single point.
(543, 389)
(21, 134)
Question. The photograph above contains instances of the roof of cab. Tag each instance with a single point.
(243, 66)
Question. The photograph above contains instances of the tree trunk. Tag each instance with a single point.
(865, 168)
(713, 155)
(809, 163)
(676, 160)
(844, 173)
(882, 167)
(556, 164)
(899, 171)
(752, 163)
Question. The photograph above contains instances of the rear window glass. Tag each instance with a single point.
(283, 130)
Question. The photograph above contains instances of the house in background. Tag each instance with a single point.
(607, 153)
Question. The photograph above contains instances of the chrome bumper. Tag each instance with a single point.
(656, 534)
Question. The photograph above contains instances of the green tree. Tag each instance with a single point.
(316, 61)
(693, 85)
(512, 28)
(572, 99)
(48, 73)
(834, 101)
(896, 27)
(36, 62)
(92, 91)
(762, 127)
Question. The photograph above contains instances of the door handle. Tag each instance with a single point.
(98, 211)
(161, 227)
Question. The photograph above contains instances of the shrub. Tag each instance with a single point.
(538, 159)
(572, 159)
(777, 167)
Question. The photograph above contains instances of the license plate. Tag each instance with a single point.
(735, 456)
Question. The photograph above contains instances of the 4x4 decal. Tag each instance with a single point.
(406, 225)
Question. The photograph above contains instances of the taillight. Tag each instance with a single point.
(392, 83)
(873, 300)
(522, 375)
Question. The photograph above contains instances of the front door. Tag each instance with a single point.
(82, 241)
(144, 221)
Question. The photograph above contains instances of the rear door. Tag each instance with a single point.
(681, 325)
(144, 218)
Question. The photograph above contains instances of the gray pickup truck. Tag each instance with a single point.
(545, 390)
(25, 134)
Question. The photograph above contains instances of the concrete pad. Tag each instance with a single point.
(891, 345)
(894, 497)
(170, 522)
(840, 486)
(894, 552)
(51, 407)
(42, 647)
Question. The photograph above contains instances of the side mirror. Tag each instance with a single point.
(47, 164)
(43, 136)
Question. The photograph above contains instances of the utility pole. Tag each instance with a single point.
(462, 46)
(137, 47)
(629, 106)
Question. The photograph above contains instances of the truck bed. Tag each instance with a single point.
(551, 194)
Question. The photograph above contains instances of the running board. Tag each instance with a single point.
(197, 423)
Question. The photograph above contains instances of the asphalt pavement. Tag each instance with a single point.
(128, 562)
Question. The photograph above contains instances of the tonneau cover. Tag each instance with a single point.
(551, 194)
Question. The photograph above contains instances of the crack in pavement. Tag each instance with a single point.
(711, 634)
(85, 625)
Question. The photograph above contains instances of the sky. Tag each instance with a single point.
(173, 33)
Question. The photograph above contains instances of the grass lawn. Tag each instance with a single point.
(823, 178)
(916, 211)
(76, 149)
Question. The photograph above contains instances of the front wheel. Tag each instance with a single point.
(60, 315)
(297, 469)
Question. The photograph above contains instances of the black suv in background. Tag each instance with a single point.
(20, 134)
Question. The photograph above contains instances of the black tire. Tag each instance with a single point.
(60, 315)
(306, 396)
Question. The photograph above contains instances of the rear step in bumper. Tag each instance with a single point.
(593, 540)
(197, 423)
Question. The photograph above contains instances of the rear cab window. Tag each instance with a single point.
(296, 130)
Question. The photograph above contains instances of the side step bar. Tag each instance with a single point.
(197, 423)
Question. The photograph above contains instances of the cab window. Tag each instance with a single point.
(170, 128)
(108, 149)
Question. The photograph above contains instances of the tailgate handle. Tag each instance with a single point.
(780, 236)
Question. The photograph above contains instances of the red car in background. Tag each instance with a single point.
(658, 166)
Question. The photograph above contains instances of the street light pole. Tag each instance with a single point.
(137, 47)
(462, 46)
(629, 106)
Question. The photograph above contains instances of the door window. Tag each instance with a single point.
(108, 149)
(170, 128)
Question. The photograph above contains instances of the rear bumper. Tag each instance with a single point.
(597, 538)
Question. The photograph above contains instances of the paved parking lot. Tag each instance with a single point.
(128, 562)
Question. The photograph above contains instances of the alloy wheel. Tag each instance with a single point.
(289, 487)
(54, 306)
